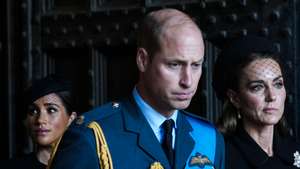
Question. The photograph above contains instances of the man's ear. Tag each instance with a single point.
(142, 59)
(234, 98)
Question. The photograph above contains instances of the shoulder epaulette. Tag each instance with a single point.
(98, 113)
(103, 153)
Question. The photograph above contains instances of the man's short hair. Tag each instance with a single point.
(156, 23)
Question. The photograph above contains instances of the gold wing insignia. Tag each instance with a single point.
(200, 160)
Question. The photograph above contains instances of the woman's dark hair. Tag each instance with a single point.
(68, 100)
(52, 84)
(227, 71)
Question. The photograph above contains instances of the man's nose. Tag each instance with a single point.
(186, 78)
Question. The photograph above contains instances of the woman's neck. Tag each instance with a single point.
(43, 154)
(262, 135)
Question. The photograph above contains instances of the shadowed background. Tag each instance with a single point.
(92, 43)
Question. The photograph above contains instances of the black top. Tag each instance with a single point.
(242, 152)
(28, 161)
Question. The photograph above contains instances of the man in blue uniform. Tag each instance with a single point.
(149, 129)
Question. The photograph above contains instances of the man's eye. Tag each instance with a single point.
(173, 65)
(196, 65)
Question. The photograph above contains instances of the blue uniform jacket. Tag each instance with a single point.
(130, 139)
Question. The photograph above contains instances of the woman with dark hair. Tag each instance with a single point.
(248, 79)
(50, 110)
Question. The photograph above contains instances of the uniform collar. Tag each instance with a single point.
(154, 118)
(135, 122)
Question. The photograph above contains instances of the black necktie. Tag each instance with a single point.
(167, 140)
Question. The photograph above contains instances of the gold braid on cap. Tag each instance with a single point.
(102, 147)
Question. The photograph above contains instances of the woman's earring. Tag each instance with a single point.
(239, 114)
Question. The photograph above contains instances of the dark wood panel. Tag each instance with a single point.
(116, 4)
(70, 5)
(122, 71)
(74, 65)
(3, 95)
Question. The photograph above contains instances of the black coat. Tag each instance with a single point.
(242, 152)
(28, 161)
